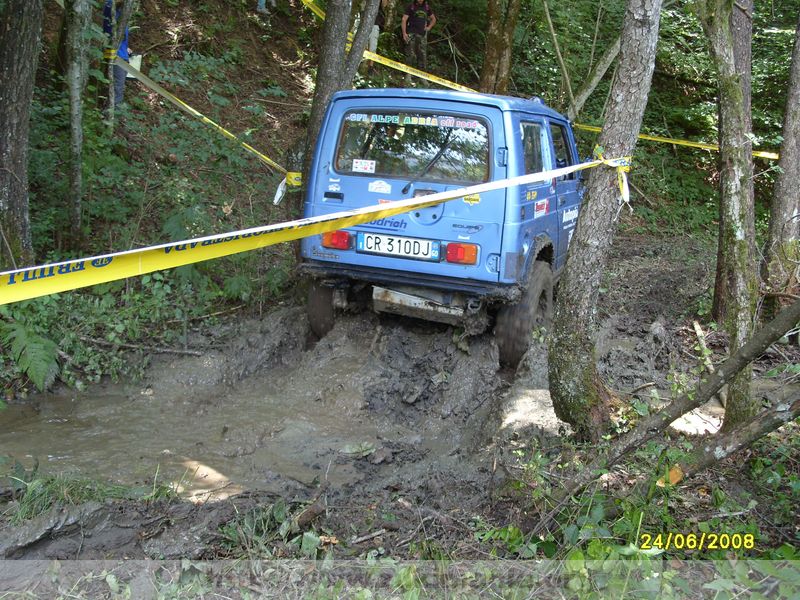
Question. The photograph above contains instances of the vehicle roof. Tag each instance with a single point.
(506, 103)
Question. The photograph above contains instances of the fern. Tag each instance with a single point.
(36, 356)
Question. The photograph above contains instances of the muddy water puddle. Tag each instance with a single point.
(254, 436)
(280, 430)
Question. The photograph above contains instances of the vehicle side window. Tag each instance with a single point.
(532, 147)
(561, 148)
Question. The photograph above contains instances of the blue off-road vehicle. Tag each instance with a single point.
(481, 259)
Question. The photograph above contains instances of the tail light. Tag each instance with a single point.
(463, 254)
(340, 240)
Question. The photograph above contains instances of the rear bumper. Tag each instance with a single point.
(482, 290)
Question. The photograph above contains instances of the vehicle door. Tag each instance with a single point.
(567, 187)
(537, 210)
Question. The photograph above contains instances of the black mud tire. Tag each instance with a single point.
(319, 308)
(516, 322)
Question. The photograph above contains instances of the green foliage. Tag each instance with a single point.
(40, 493)
(255, 534)
(35, 355)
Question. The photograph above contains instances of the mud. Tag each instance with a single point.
(404, 424)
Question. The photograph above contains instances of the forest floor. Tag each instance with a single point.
(388, 438)
(397, 435)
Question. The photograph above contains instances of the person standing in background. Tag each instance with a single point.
(122, 51)
(380, 22)
(262, 6)
(417, 21)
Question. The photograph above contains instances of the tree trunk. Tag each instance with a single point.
(596, 73)
(502, 17)
(579, 396)
(564, 72)
(78, 14)
(741, 20)
(593, 80)
(783, 245)
(737, 237)
(20, 37)
(336, 68)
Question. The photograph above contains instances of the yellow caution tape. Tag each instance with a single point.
(457, 86)
(416, 72)
(664, 140)
(393, 63)
(185, 107)
(294, 179)
(24, 284)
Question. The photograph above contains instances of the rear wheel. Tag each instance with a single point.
(319, 308)
(516, 322)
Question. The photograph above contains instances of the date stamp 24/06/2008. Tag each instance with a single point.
(697, 541)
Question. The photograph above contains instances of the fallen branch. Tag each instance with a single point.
(366, 538)
(701, 339)
(702, 393)
(721, 446)
(153, 349)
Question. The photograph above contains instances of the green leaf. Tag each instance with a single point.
(36, 356)
(309, 544)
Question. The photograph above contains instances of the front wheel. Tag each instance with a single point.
(319, 308)
(516, 322)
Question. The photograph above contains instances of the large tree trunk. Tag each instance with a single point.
(578, 393)
(502, 16)
(741, 19)
(20, 36)
(336, 67)
(737, 237)
(78, 14)
(783, 245)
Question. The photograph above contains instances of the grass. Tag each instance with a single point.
(41, 493)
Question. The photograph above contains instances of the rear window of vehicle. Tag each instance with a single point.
(432, 147)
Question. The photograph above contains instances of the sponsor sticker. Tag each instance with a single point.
(361, 165)
(570, 216)
(531, 195)
(472, 199)
(380, 187)
(540, 209)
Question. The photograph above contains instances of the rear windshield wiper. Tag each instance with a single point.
(430, 164)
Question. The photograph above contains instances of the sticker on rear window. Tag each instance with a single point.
(363, 166)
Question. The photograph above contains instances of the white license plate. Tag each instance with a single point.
(395, 245)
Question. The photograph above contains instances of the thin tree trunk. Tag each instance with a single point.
(336, 67)
(593, 79)
(579, 396)
(561, 63)
(502, 21)
(741, 22)
(20, 38)
(78, 13)
(360, 41)
(596, 74)
(783, 246)
(737, 237)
